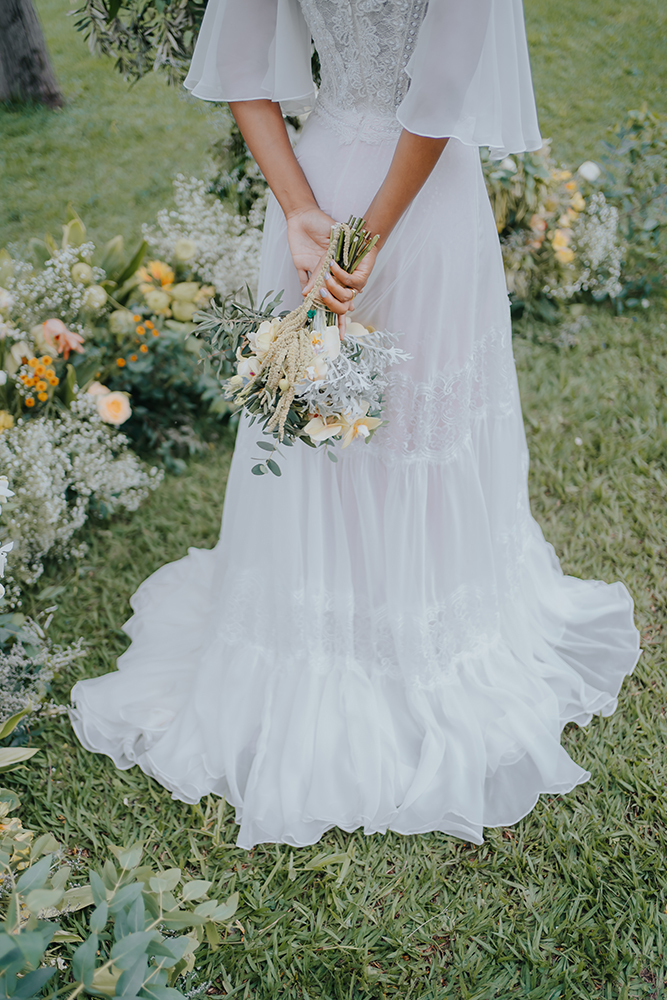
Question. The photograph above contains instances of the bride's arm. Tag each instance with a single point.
(308, 228)
(263, 128)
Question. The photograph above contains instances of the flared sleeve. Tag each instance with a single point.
(470, 77)
(252, 49)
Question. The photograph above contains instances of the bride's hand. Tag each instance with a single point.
(308, 234)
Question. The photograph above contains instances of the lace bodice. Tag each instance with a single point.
(364, 47)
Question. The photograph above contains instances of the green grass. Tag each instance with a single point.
(592, 61)
(112, 151)
(571, 902)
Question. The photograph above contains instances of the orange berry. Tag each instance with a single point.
(143, 348)
(29, 401)
(141, 330)
(120, 362)
(137, 319)
(55, 380)
(33, 362)
(40, 370)
(156, 333)
(41, 385)
(148, 324)
(133, 357)
(46, 360)
(42, 396)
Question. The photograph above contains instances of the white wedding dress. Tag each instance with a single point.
(387, 642)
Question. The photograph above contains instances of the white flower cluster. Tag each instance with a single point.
(53, 291)
(356, 378)
(222, 249)
(27, 667)
(56, 468)
(599, 251)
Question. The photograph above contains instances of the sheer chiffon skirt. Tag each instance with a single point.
(387, 642)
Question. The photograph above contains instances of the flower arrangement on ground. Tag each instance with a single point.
(61, 469)
(294, 374)
(559, 236)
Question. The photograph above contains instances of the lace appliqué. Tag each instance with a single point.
(329, 632)
(432, 421)
(364, 47)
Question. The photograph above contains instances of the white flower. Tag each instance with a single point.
(589, 171)
(508, 164)
(184, 249)
(5, 492)
(319, 429)
(17, 353)
(95, 298)
(6, 299)
(262, 338)
(319, 368)
(3, 378)
(354, 329)
(82, 273)
(331, 342)
(235, 382)
(249, 367)
(4, 550)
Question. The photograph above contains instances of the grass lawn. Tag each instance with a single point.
(571, 902)
(112, 151)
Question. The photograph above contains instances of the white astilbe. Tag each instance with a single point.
(56, 468)
(27, 668)
(227, 246)
(599, 253)
(52, 291)
(356, 379)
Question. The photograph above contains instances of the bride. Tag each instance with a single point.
(387, 642)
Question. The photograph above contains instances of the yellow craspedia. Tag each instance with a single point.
(46, 360)
(33, 362)
(41, 386)
(143, 348)
(120, 362)
(29, 401)
(40, 369)
(42, 396)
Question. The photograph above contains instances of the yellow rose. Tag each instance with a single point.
(157, 301)
(185, 291)
(564, 255)
(183, 311)
(560, 239)
(114, 407)
(6, 420)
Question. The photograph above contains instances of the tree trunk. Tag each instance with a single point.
(26, 73)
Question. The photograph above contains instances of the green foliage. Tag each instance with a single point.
(636, 162)
(143, 36)
(132, 947)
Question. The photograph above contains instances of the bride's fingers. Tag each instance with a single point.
(339, 291)
(334, 304)
(354, 281)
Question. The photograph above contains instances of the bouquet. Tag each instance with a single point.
(293, 373)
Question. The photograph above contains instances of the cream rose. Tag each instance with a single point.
(113, 407)
(82, 273)
(184, 249)
(97, 389)
(95, 298)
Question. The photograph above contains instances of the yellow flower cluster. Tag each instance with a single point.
(166, 297)
(39, 376)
